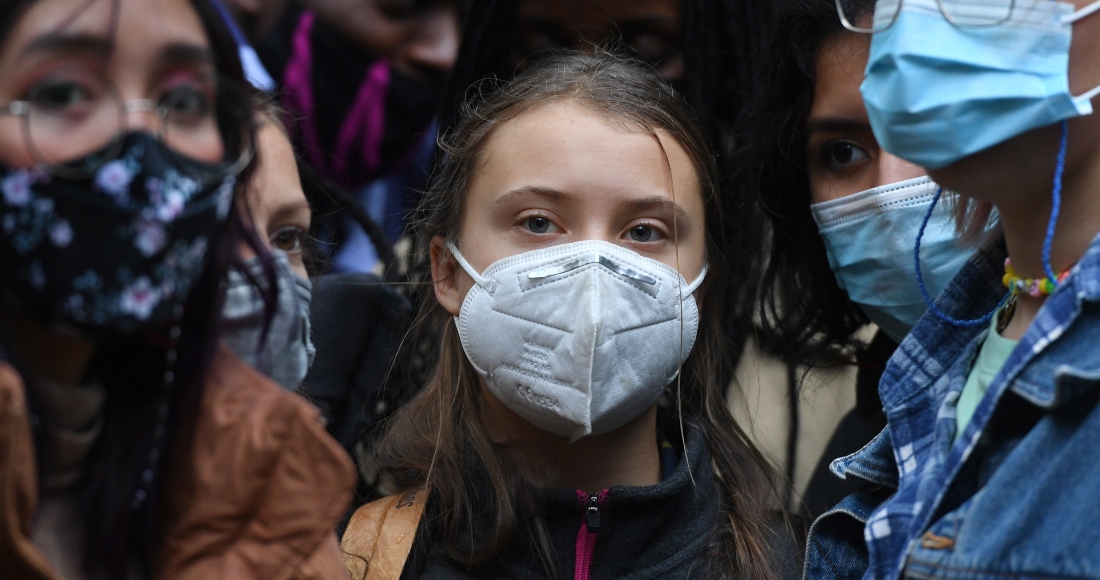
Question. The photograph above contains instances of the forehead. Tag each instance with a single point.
(840, 62)
(130, 24)
(566, 146)
(276, 181)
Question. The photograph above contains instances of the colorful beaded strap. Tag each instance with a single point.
(1036, 287)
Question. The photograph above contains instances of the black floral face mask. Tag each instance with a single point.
(114, 252)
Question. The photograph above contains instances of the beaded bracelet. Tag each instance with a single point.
(1035, 287)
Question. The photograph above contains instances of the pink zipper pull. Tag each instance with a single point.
(589, 532)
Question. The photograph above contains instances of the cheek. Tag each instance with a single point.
(13, 148)
(207, 146)
(298, 266)
(465, 284)
(383, 37)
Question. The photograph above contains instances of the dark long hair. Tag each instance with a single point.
(806, 315)
(438, 439)
(117, 530)
(722, 42)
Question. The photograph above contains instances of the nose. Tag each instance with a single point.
(893, 169)
(141, 115)
(434, 46)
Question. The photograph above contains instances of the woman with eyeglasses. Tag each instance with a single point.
(988, 465)
(133, 444)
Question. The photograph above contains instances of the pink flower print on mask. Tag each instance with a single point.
(17, 189)
(171, 207)
(114, 179)
(61, 233)
(139, 298)
(150, 236)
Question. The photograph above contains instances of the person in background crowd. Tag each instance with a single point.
(361, 82)
(988, 465)
(571, 235)
(347, 341)
(842, 213)
(133, 444)
(280, 346)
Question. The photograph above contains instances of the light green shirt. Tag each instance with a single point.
(992, 355)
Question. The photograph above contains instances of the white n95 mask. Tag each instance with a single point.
(580, 338)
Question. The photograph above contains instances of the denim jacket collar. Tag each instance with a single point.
(915, 454)
(934, 345)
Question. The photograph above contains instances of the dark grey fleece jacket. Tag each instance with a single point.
(659, 531)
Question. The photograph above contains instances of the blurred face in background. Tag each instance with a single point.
(420, 37)
(653, 28)
(280, 212)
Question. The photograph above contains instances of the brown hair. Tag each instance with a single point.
(437, 440)
(972, 217)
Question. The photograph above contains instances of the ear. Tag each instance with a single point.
(444, 279)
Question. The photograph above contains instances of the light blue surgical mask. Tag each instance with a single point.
(869, 239)
(937, 92)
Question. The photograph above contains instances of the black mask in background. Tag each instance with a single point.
(339, 68)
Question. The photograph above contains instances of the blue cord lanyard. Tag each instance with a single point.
(1056, 206)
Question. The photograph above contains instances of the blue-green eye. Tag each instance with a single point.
(642, 234)
(538, 224)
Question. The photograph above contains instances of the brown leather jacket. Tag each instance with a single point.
(255, 493)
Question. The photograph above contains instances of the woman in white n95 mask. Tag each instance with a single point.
(573, 247)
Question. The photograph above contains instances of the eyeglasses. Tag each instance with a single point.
(961, 13)
(76, 111)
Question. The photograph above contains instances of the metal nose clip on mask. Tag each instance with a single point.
(581, 338)
(936, 92)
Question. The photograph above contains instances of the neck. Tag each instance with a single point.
(626, 456)
(46, 354)
(1025, 218)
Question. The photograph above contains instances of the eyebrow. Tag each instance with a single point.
(82, 43)
(101, 47)
(655, 202)
(290, 210)
(835, 125)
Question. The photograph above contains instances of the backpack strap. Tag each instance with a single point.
(380, 536)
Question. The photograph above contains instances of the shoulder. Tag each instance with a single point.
(245, 420)
(380, 534)
(256, 486)
(785, 537)
(12, 397)
(19, 558)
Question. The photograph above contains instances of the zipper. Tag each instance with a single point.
(589, 531)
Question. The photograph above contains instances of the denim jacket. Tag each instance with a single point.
(1018, 495)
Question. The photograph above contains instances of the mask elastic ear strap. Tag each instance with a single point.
(1070, 19)
(481, 280)
(691, 288)
(1088, 95)
(1079, 14)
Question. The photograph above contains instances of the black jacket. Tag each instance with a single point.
(659, 531)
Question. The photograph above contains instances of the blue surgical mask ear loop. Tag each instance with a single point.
(1056, 205)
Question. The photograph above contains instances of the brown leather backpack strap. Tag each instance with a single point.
(380, 536)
